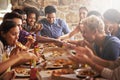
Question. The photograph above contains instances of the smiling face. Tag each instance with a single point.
(31, 19)
(51, 17)
(12, 36)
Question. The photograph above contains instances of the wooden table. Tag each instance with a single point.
(47, 74)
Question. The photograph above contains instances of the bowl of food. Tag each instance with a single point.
(86, 72)
(59, 72)
(22, 72)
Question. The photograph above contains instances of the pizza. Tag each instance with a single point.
(62, 62)
(22, 71)
(21, 46)
(62, 71)
(30, 37)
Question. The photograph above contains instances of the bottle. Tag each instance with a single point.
(34, 73)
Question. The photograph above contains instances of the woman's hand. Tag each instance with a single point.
(25, 55)
(30, 39)
(37, 27)
(14, 51)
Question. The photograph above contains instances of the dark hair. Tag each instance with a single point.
(83, 8)
(12, 15)
(5, 27)
(29, 10)
(112, 15)
(96, 13)
(50, 9)
(19, 11)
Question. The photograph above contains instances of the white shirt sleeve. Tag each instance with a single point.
(111, 74)
(114, 64)
(1, 51)
(107, 73)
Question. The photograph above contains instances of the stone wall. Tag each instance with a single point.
(66, 9)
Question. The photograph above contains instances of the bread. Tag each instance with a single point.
(23, 71)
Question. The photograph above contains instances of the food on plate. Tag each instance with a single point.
(58, 58)
(89, 72)
(62, 71)
(56, 54)
(23, 71)
(62, 62)
(86, 72)
(21, 46)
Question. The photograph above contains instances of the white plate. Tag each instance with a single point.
(27, 64)
(53, 67)
(22, 73)
(84, 72)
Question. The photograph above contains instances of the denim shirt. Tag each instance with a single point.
(55, 30)
(110, 48)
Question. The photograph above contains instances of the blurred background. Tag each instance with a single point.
(66, 9)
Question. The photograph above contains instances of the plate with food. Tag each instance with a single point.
(62, 72)
(85, 72)
(59, 63)
(52, 65)
(22, 72)
(28, 64)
